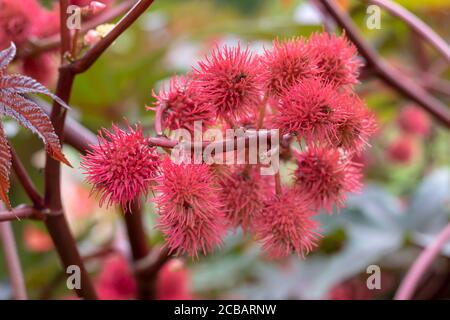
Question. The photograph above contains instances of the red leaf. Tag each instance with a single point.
(32, 117)
(5, 168)
(17, 83)
(7, 55)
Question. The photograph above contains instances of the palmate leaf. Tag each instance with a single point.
(32, 117)
(6, 56)
(14, 104)
(5, 167)
(21, 84)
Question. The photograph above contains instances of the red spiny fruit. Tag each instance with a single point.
(229, 80)
(182, 105)
(355, 124)
(286, 225)
(308, 110)
(414, 120)
(17, 20)
(352, 289)
(337, 60)
(43, 68)
(115, 280)
(243, 194)
(122, 166)
(402, 150)
(173, 282)
(190, 212)
(287, 64)
(325, 176)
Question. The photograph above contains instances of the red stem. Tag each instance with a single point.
(158, 120)
(26, 181)
(54, 41)
(391, 76)
(421, 265)
(86, 61)
(420, 27)
(20, 213)
(277, 178)
(12, 261)
(56, 222)
(139, 247)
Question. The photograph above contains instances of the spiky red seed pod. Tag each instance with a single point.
(43, 68)
(243, 193)
(286, 225)
(17, 20)
(354, 125)
(229, 80)
(286, 64)
(182, 105)
(337, 60)
(122, 166)
(115, 280)
(190, 212)
(173, 282)
(309, 110)
(402, 150)
(414, 120)
(325, 176)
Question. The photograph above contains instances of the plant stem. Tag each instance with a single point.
(26, 181)
(417, 25)
(86, 61)
(421, 265)
(55, 221)
(278, 188)
(12, 261)
(139, 247)
(393, 77)
(67, 250)
(54, 41)
(20, 213)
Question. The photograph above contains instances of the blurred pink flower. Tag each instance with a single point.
(403, 150)
(173, 281)
(43, 68)
(115, 280)
(36, 240)
(414, 120)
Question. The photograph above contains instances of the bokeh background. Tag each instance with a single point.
(405, 202)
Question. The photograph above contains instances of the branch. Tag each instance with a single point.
(26, 181)
(139, 246)
(391, 76)
(86, 61)
(420, 27)
(12, 261)
(55, 221)
(421, 265)
(23, 212)
(151, 264)
(50, 43)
